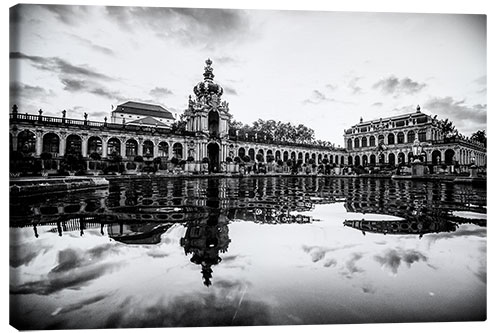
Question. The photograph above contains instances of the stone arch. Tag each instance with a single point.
(94, 145)
(342, 159)
(349, 143)
(177, 150)
(381, 139)
(147, 148)
(251, 154)
(300, 156)
(381, 159)
(356, 143)
(163, 149)
(401, 158)
(293, 155)
(73, 144)
(392, 159)
(357, 160)
(390, 139)
(241, 152)
(436, 157)
(373, 159)
(349, 160)
(285, 156)
(364, 142)
(372, 141)
(277, 155)
(401, 138)
(26, 142)
(114, 146)
(449, 155)
(51, 143)
(364, 160)
(410, 136)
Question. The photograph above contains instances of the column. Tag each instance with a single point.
(155, 149)
(84, 146)
(39, 144)
(170, 149)
(139, 147)
(123, 144)
(62, 145)
(14, 142)
(104, 147)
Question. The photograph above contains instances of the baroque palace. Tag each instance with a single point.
(138, 129)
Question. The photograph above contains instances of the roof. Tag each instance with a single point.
(148, 121)
(144, 109)
(393, 118)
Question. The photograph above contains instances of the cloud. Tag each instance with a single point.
(225, 60)
(70, 15)
(353, 85)
(392, 258)
(230, 91)
(481, 80)
(317, 97)
(396, 86)
(79, 305)
(468, 118)
(77, 85)
(60, 66)
(160, 92)
(92, 45)
(378, 104)
(20, 91)
(222, 307)
(200, 26)
(74, 270)
(463, 231)
(350, 265)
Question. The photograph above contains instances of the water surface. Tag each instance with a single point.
(250, 251)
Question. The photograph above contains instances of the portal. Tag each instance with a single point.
(213, 156)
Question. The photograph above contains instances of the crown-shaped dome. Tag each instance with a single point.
(208, 86)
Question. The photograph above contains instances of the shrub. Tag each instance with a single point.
(182, 162)
(190, 159)
(138, 159)
(237, 159)
(157, 160)
(174, 160)
(205, 160)
(246, 159)
(289, 163)
(259, 158)
(299, 162)
(280, 162)
(229, 159)
(46, 156)
(95, 156)
(310, 161)
(269, 158)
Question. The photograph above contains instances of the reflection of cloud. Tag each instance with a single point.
(80, 304)
(461, 232)
(368, 289)
(350, 265)
(393, 258)
(74, 270)
(224, 306)
(318, 253)
(23, 253)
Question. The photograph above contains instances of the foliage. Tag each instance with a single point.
(95, 156)
(157, 160)
(237, 159)
(46, 156)
(479, 136)
(447, 128)
(246, 159)
(280, 162)
(190, 159)
(182, 162)
(205, 160)
(259, 158)
(138, 159)
(229, 159)
(269, 158)
(180, 124)
(174, 160)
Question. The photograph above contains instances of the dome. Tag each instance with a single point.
(208, 86)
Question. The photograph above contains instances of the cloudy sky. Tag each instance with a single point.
(322, 69)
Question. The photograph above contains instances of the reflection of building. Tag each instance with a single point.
(137, 233)
(390, 141)
(205, 241)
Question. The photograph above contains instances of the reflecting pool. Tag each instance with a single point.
(158, 252)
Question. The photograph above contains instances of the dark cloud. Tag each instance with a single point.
(70, 15)
(74, 84)
(59, 66)
(20, 91)
(75, 269)
(466, 118)
(77, 85)
(81, 304)
(392, 258)
(395, 86)
(160, 92)
(200, 26)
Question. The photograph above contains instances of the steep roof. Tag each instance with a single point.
(144, 109)
(148, 121)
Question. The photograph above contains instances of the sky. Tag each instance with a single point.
(323, 69)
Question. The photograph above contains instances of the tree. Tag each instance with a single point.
(479, 136)
(447, 128)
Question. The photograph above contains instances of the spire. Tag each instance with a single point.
(208, 75)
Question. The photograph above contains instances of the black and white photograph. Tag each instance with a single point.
(179, 166)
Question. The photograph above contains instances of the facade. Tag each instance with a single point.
(142, 114)
(144, 130)
(396, 140)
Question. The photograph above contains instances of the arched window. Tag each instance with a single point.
(372, 141)
(336, 159)
(342, 160)
(114, 147)
(436, 157)
(51, 144)
(381, 139)
(364, 160)
(411, 136)
(392, 159)
(381, 159)
(26, 142)
(390, 139)
(349, 144)
(94, 145)
(401, 158)
(278, 155)
(422, 135)
(177, 150)
(131, 148)
(373, 159)
(300, 156)
(356, 143)
(357, 160)
(349, 160)
(147, 148)
(73, 144)
(293, 156)
(364, 142)
(401, 138)
(306, 158)
(241, 152)
(251, 154)
(449, 155)
(285, 156)
(163, 149)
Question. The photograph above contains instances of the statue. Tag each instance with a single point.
(85, 115)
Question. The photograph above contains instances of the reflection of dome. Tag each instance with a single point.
(208, 86)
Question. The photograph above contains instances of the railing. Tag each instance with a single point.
(47, 120)
(256, 139)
